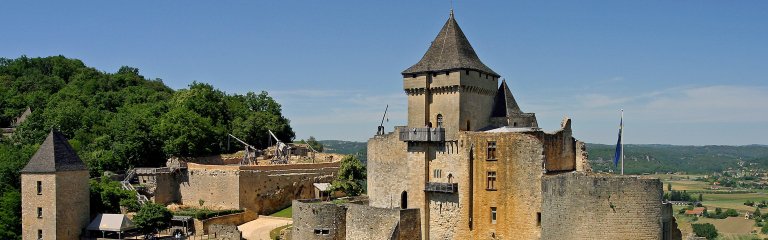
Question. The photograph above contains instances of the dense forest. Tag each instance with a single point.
(118, 120)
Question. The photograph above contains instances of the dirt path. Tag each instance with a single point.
(259, 229)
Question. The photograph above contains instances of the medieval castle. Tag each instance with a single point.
(472, 165)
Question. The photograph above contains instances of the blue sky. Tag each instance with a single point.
(686, 72)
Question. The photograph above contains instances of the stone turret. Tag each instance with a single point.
(54, 192)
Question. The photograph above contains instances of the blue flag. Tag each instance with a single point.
(617, 156)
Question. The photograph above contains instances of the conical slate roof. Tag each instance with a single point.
(504, 103)
(55, 154)
(450, 51)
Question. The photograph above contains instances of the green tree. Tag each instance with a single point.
(731, 213)
(152, 218)
(107, 196)
(350, 177)
(669, 186)
(701, 197)
(10, 212)
(706, 230)
(186, 133)
(312, 142)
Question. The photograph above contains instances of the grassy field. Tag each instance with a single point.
(285, 213)
(711, 201)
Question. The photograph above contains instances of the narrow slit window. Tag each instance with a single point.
(493, 215)
(39, 212)
(538, 219)
(39, 233)
(39, 188)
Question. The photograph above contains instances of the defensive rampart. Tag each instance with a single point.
(262, 189)
(584, 206)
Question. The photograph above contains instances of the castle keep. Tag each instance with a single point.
(477, 167)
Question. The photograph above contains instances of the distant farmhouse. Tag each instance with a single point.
(471, 164)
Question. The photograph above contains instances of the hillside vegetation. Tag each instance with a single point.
(653, 158)
(118, 120)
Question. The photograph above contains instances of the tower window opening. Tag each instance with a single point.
(491, 185)
(491, 154)
(39, 188)
(404, 200)
(39, 233)
(439, 120)
(493, 215)
(39, 212)
(538, 219)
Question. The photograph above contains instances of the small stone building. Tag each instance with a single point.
(54, 192)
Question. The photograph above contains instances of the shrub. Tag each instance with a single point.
(706, 230)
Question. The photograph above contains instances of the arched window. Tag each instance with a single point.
(439, 120)
(404, 200)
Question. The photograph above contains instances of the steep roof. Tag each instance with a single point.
(504, 103)
(450, 51)
(55, 154)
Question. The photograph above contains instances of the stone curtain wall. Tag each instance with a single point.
(261, 189)
(310, 215)
(369, 223)
(559, 148)
(269, 191)
(218, 187)
(581, 206)
(387, 170)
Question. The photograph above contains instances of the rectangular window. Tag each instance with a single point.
(437, 173)
(491, 181)
(39, 212)
(491, 150)
(39, 188)
(39, 233)
(493, 215)
(326, 231)
(318, 231)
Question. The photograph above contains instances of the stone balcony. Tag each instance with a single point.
(422, 134)
(441, 187)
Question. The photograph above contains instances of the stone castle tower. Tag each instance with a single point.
(54, 192)
(476, 166)
(450, 88)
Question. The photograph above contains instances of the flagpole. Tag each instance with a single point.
(622, 141)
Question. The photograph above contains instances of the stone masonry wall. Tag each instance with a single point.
(516, 194)
(268, 191)
(217, 187)
(261, 189)
(309, 216)
(225, 232)
(30, 201)
(368, 223)
(72, 203)
(387, 170)
(581, 206)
